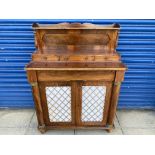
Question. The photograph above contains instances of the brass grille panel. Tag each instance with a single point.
(93, 100)
(59, 103)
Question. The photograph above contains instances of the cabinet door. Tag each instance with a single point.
(93, 103)
(58, 103)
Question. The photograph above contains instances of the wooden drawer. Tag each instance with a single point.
(75, 75)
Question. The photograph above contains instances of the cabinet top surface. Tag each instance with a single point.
(76, 66)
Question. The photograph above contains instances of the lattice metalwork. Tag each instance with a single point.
(93, 99)
(59, 103)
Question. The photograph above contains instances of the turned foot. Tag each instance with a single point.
(110, 127)
(42, 128)
(109, 130)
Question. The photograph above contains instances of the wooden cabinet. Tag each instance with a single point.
(75, 75)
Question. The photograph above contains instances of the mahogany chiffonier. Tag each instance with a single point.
(75, 75)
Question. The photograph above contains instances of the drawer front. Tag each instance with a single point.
(75, 75)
